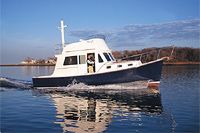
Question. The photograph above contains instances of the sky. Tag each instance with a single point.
(28, 27)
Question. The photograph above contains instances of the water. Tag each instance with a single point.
(171, 107)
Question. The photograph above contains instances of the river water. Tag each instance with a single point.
(173, 106)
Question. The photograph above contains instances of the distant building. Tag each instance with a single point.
(31, 62)
(23, 62)
(51, 61)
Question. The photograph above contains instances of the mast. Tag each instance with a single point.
(62, 28)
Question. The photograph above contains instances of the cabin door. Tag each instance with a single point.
(82, 66)
(91, 63)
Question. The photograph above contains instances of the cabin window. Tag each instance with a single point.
(71, 60)
(130, 64)
(82, 59)
(107, 56)
(100, 59)
(111, 56)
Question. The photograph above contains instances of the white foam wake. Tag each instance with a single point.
(82, 86)
(13, 84)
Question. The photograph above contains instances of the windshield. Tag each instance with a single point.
(111, 56)
(107, 56)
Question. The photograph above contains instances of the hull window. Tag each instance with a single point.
(119, 66)
(71, 60)
(108, 67)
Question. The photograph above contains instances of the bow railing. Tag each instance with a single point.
(152, 55)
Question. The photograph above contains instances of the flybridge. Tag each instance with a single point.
(59, 48)
(91, 62)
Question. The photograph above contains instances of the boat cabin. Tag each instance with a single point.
(73, 59)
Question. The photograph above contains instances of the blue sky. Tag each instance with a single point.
(28, 27)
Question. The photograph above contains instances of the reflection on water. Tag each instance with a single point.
(25, 72)
(93, 110)
(37, 70)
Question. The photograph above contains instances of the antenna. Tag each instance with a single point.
(62, 33)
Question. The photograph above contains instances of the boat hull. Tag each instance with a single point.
(150, 71)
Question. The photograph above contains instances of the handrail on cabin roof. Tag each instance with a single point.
(97, 36)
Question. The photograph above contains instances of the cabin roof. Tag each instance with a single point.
(92, 45)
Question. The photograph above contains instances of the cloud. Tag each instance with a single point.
(142, 34)
(83, 33)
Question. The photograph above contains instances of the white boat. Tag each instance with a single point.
(102, 68)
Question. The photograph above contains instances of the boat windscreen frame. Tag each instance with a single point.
(107, 56)
(112, 58)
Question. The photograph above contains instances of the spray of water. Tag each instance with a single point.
(14, 84)
(8, 84)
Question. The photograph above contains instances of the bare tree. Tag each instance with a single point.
(50, 58)
(41, 61)
(28, 59)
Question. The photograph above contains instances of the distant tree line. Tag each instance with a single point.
(180, 54)
(40, 61)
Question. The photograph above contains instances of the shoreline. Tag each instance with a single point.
(164, 63)
(45, 64)
(180, 63)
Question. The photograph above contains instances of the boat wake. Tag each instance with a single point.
(82, 86)
(9, 84)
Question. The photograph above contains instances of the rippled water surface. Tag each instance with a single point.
(173, 106)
